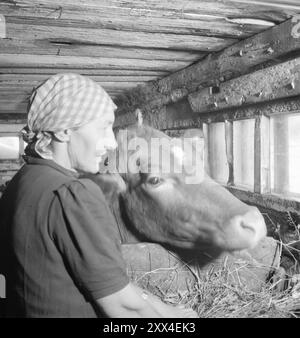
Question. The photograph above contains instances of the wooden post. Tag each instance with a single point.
(257, 155)
(262, 154)
(229, 150)
(206, 148)
(265, 183)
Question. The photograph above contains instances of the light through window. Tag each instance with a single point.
(243, 153)
(285, 154)
(218, 165)
(9, 147)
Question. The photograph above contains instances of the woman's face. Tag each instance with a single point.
(90, 142)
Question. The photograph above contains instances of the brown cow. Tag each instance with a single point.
(183, 210)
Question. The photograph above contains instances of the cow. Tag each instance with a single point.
(185, 210)
(181, 218)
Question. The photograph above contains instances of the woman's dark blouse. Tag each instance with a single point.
(60, 247)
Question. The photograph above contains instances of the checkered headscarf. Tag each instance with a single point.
(64, 101)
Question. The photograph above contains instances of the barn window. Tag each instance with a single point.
(11, 143)
(285, 154)
(9, 147)
(216, 150)
(243, 153)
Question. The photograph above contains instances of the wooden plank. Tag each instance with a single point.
(84, 71)
(66, 62)
(264, 85)
(10, 128)
(265, 155)
(126, 20)
(6, 87)
(115, 38)
(35, 79)
(229, 151)
(257, 155)
(282, 4)
(241, 58)
(262, 155)
(6, 165)
(174, 9)
(206, 149)
(65, 48)
(13, 118)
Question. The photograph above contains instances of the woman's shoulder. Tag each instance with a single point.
(83, 188)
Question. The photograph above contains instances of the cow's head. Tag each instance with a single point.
(185, 209)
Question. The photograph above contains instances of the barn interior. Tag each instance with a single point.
(229, 69)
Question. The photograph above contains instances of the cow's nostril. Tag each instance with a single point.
(246, 230)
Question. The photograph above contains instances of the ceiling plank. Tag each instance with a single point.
(166, 8)
(7, 88)
(282, 4)
(110, 37)
(48, 61)
(222, 26)
(45, 47)
(19, 71)
(35, 79)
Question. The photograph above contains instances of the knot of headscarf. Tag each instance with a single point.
(64, 101)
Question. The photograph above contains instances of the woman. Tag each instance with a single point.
(62, 250)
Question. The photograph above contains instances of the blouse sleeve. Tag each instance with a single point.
(86, 235)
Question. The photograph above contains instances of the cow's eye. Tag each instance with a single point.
(154, 180)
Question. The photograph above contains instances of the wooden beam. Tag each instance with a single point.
(229, 151)
(280, 156)
(271, 108)
(172, 116)
(257, 155)
(180, 116)
(271, 83)
(13, 118)
(270, 45)
(206, 149)
(265, 168)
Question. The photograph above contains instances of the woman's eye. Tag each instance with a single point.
(154, 180)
